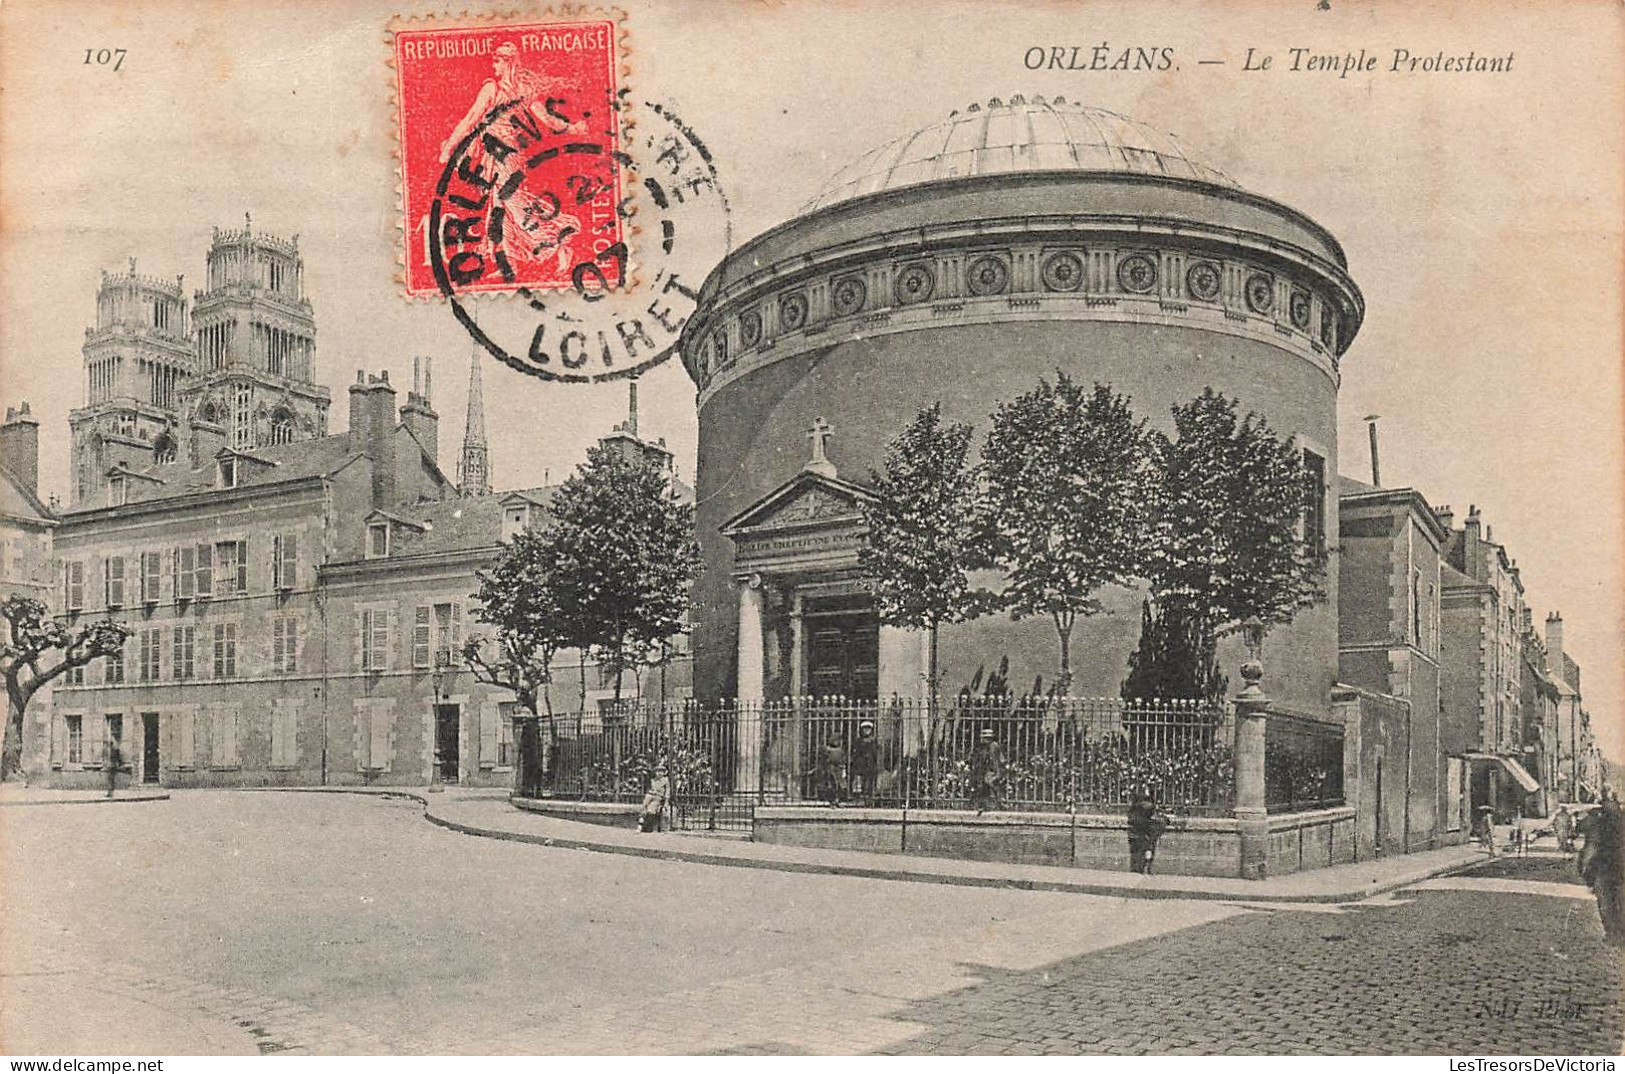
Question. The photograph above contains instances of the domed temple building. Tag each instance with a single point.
(962, 263)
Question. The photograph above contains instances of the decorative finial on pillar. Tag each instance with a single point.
(248, 222)
(132, 266)
(819, 435)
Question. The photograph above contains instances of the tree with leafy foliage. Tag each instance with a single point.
(1066, 475)
(28, 664)
(1227, 541)
(519, 599)
(921, 540)
(625, 559)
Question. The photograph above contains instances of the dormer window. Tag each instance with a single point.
(228, 473)
(377, 540)
(118, 491)
(514, 521)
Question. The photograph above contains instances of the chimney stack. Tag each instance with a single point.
(1376, 469)
(1446, 517)
(1472, 555)
(19, 446)
(372, 425)
(418, 414)
(1554, 645)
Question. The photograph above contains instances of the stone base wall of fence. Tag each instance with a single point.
(1193, 846)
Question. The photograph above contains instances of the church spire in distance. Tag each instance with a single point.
(474, 465)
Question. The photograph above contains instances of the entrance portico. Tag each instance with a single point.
(807, 623)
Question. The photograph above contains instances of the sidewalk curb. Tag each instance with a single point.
(922, 875)
(156, 796)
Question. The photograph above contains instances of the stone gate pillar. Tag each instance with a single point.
(1252, 818)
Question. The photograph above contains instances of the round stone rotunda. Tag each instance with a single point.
(960, 264)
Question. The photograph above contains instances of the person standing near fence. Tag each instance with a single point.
(654, 801)
(986, 772)
(1146, 823)
(866, 761)
(832, 768)
(115, 761)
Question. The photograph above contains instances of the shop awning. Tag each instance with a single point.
(1520, 775)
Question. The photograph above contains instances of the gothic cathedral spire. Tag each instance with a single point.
(474, 466)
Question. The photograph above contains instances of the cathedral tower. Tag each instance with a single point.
(255, 344)
(137, 355)
(474, 465)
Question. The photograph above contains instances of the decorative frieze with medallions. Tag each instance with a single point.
(1097, 281)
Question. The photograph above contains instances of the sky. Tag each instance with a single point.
(1481, 213)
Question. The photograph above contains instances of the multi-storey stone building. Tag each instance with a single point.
(1389, 627)
(298, 600)
(1483, 610)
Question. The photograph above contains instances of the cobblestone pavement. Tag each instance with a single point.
(337, 924)
(1420, 972)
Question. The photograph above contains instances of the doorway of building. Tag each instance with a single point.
(843, 652)
(446, 756)
(149, 747)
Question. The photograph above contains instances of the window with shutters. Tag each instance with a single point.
(151, 574)
(204, 574)
(284, 560)
(225, 650)
(152, 646)
(113, 572)
(73, 582)
(231, 562)
(76, 738)
(183, 659)
(185, 721)
(372, 721)
(113, 667)
(185, 573)
(421, 639)
(223, 737)
(505, 713)
(374, 639)
(284, 735)
(284, 644)
(448, 633)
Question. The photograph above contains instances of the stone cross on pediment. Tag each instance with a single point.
(818, 435)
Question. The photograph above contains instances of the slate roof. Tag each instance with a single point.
(303, 458)
(18, 500)
(460, 524)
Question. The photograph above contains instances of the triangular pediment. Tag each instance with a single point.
(807, 499)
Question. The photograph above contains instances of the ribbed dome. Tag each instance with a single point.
(1019, 136)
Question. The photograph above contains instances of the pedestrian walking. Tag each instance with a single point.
(1602, 866)
(986, 772)
(866, 761)
(1563, 828)
(1146, 823)
(1484, 828)
(115, 761)
(654, 801)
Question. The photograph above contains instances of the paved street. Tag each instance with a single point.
(231, 922)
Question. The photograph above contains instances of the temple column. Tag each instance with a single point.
(749, 687)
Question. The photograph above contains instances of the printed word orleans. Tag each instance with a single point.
(1100, 58)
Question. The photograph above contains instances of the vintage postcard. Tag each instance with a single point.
(704, 527)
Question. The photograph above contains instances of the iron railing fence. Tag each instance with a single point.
(1303, 763)
(1041, 754)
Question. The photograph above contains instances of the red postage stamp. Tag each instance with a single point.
(509, 152)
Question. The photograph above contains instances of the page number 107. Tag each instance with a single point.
(102, 57)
